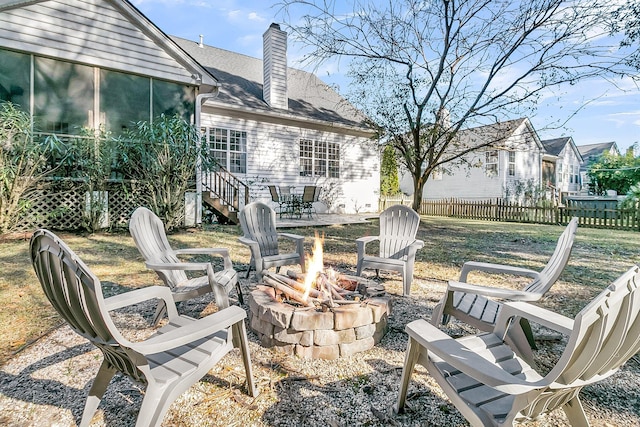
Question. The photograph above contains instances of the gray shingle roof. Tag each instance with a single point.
(240, 78)
(555, 146)
(594, 150)
(495, 132)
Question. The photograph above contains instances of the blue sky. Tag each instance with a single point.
(608, 113)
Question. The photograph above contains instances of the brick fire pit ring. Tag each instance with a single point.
(315, 334)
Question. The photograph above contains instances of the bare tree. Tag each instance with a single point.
(422, 70)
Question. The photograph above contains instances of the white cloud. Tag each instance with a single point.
(254, 16)
(625, 119)
(234, 14)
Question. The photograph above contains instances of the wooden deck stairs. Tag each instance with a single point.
(224, 194)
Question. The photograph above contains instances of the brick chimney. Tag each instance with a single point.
(274, 63)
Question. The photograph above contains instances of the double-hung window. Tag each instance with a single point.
(560, 174)
(512, 163)
(228, 148)
(319, 158)
(491, 163)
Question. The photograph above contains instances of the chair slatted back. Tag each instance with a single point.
(308, 194)
(285, 190)
(149, 236)
(76, 294)
(558, 261)
(607, 332)
(258, 223)
(274, 194)
(398, 228)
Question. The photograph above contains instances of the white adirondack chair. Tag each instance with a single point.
(258, 223)
(169, 362)
(150, 238)
(492, 386)
(398, 244)
(478, 305)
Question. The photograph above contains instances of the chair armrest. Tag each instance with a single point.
(299, 241)
(488, 291)
(466, 360)
(143, 294)
(223, 252)
(294, 237)
(361, 244)
(196, 330)
(418, 244)
(495, 268)
(192, 266)
(253, 245)
(367, 239)
(533, 313)
(413, 247)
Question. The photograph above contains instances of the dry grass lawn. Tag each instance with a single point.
(599, 256)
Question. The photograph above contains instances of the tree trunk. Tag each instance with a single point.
(418, 186)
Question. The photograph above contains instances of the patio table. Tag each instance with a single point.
(292, 204)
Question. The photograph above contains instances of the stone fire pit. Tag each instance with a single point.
(320, 332)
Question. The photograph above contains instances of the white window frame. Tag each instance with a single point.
(319, 158)
(491, 163)
(511, 168)
(559, 173)
(230, 145)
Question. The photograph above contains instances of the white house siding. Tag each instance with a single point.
(566, 180)
(472, 183)
(275, 67)
(92, 32)
(273, 157)
(467, 183)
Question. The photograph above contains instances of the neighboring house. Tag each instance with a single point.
(102, 63)
(561, 166)
(506, 170)
(590, 153)
(272, 124)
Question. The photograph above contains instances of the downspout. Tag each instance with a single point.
(200, 100)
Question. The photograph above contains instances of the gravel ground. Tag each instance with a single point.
(46, 384)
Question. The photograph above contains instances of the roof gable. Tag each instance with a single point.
(501, 133)
(556, 146)
(110, 34)
(591, 151)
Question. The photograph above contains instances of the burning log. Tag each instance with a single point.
(296, 276)
(288, 291)
(293, 284)
(346, 283)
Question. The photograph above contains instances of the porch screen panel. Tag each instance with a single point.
(14, 78)
(63, 95)
(124, 100)
(171, 99)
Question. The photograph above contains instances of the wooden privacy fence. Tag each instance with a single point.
(590, 215)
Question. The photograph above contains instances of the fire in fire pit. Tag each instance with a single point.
(321, 314)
